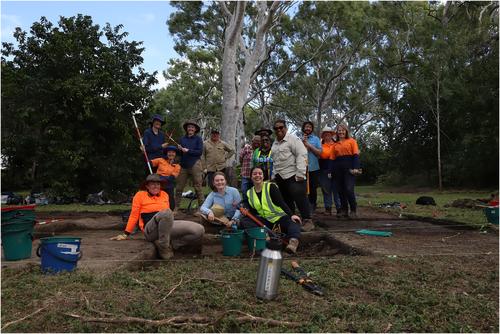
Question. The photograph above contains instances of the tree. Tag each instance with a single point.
(64, 124)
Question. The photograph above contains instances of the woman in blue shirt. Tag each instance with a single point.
(221, 205)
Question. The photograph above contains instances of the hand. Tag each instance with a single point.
(329, 175)
(299, 178)
(185, 150)
(355, 171)
(230, 223)
(211, 216)
(119, 237)
(142, 148)
(296, 219)
(205, 171)
(164, 145)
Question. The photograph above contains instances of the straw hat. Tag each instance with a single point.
(218, 212)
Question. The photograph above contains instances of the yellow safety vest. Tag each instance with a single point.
(265, 206)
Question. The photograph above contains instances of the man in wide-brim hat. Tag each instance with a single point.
(263, 131)
(151, 209)
(191, 148)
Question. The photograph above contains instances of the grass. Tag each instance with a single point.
(363, 294)
(373, 195)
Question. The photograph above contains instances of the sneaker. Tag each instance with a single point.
(353, 215)
(292, 246)
(308, 225)
(164, 252)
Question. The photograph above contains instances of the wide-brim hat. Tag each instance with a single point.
(267, 132)
(218, 212)
(151, 178)
(157, 117)
(170, 148)
(184, 126)
(327, 129)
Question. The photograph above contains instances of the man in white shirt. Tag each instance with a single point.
(289, 171)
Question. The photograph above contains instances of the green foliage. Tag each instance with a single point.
(63, 125)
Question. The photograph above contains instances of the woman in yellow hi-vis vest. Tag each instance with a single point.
(265, 202)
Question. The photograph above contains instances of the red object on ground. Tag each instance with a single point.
(18, 207)
(493, 202)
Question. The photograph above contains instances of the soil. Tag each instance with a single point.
(332, 237)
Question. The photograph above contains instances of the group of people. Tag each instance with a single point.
(277, 176)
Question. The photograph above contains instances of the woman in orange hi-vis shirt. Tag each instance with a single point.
(325, 166)
(345, 167)
(151, 210)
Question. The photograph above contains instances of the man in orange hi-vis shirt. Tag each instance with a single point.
(151, 209)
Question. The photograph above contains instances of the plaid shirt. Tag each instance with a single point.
(246, 160)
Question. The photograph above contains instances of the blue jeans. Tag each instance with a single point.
(246, 183)
(328, 188)
(344, 182)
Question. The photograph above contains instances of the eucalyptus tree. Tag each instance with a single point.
(239, 35)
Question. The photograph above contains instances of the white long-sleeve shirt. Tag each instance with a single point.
(289, 157)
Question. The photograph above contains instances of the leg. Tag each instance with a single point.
(210, 180)
(197, 173)
(186, 233)
(336, 196)
(351, 196)
(297, 191)
(171, 198)
(181, 183)
(326, 189)
(285, 192)
(313, 186)
(339, 179)
(158, 231)
(289, 227)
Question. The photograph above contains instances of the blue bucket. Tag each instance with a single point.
(59, 254)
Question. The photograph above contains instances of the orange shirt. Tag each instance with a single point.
(345, 147)
(165, 168)
(327, 152)
(143, 202)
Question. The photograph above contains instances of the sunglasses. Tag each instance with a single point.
(277, 128)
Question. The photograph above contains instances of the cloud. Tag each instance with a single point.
(162, 82)
(9, 24)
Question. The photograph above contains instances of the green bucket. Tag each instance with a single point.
(256, 238)
(491, 214)
(17, 232)
(231, 242)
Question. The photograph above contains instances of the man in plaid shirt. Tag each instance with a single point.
(246, 164)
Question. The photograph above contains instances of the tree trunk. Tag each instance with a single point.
(440, 178)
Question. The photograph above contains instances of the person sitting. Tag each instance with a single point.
(223, 198)
(168, 171)
(266, 203)
(151, 209)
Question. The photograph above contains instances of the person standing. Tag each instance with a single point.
(154, 138)
(262, 157)
(326, 173)
(345, 167)
(191, 148)
(246, 164)
(150, 209)
(313, 146)
(289, 171)
(215, 154)
(266, 202)
(168, 170)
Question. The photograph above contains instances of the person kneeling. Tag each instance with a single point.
(151, 209)
(267, 204)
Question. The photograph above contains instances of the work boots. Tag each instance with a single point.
(308, 225)
(292, 246)
(165, 252)
(328, 211)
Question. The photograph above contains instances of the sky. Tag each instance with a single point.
(144, 21)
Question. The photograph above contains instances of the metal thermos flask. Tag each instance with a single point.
(268, 277)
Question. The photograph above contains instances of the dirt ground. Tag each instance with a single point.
(332, 237)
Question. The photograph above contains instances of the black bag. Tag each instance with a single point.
(425, 200)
